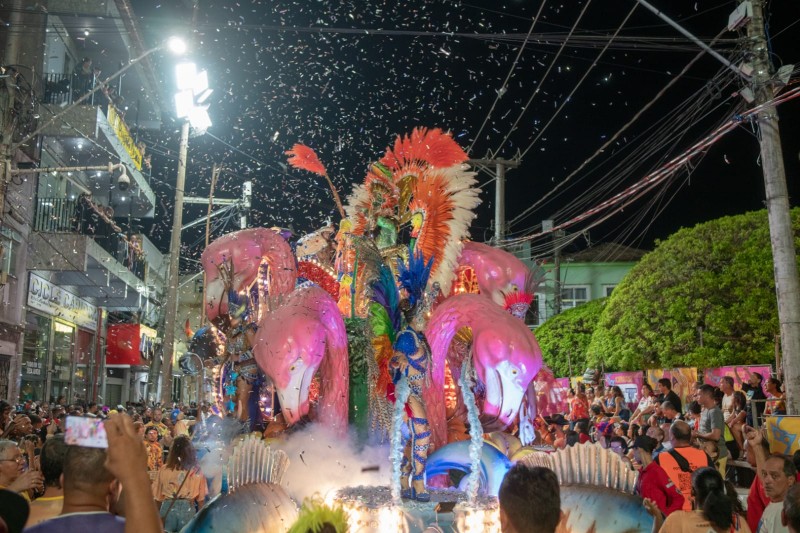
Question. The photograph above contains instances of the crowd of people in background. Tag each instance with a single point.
(687, 456)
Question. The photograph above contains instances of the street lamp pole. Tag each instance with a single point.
(173, 278)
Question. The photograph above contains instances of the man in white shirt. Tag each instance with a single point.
(726, 386)
(777, 473)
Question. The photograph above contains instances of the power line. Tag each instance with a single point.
(580, 82)
(541, 81)
(503, 87)
(612, 139)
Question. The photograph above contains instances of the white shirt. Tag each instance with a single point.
(727, 406)
(771, 519)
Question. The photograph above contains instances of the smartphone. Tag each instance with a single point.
(85, 431)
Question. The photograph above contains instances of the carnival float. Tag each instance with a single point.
(389, 329)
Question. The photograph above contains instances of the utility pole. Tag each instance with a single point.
(497, 169)
(173, 277)
(787, 284)
(214, 174)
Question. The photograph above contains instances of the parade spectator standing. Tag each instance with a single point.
(666, 394)
(92, 479)
(578, 407)
(778, 474)
(179, 487)
(157, 422)
(712, 428)
(726, 386)
(682, 459)
(654, 484)
(530, 500)
(716, 510)
(755, 397)
(737, 421)
(52, 466)
(155, 453)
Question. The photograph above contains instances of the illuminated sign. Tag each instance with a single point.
(124, 136)
(55, 301)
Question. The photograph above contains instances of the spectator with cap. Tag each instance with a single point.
(530, 500)
(52, 466)
(654, 483)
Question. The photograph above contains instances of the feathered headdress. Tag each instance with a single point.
(305, 158)
(433, 148)
(315, 515)
(414, 277)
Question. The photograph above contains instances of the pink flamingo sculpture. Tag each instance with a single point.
(501, 276)
(249, 252)
(505, 355)
(299, 330)
(297, 337)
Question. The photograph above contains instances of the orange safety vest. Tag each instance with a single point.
(683, 480)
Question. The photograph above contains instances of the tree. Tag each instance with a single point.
(565, 337)
(704, 297)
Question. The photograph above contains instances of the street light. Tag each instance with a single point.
(190, 107)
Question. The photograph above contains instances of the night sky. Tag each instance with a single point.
(346, 77)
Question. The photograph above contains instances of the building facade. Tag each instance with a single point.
(78, 265)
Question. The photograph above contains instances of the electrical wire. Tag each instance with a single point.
(503, 87)
(544, 77)
(580, 82)
(612, 139)
(638, 189)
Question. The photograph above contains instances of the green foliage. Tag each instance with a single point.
(565, 337)
(714, 280)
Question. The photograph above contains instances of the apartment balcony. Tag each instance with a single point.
(88, 251)
(95, 133)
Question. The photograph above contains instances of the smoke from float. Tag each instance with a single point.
(393, 327)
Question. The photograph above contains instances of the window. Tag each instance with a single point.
(573, 296)
(608, 289)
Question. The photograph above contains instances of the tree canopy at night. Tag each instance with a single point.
(704, 297)
(565, 338)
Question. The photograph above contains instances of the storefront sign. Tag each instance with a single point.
(124, 136)
(55, 301)
(33, 368)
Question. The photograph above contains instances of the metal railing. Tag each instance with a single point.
(63, 89)
(64, 215)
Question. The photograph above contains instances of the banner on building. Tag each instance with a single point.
(681, 378)
(60, 303)
(740, 374)
(124, 136)
(782, 432)
(630, 383)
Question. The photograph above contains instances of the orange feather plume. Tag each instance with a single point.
(305, 158)
(187, 329)
(432, 147)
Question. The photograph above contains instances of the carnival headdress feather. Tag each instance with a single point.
(237, 305)
(305, 158)
(414, 277)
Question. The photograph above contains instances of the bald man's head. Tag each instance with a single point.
(680, 432)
